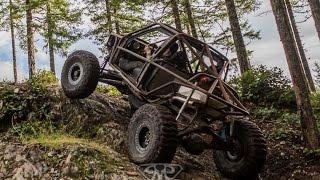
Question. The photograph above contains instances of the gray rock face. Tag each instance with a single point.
(21, 161)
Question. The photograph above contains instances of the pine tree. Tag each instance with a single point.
(191, 22)
(176, 14)
(30, 37)
(116, 21)
(50, 27)
(168, 12)
(10, 17)
(307, 118)
(210, 17)
(128, 15)
(315, 9)
(113, 16)
(108, 11)
(59, 27)
(100, 13)
(300, 47)
(13, 43)
(237, 36)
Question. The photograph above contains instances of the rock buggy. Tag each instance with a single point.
(175, 84)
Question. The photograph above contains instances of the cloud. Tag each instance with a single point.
(4, 39)
(269, 50)
(6, 72)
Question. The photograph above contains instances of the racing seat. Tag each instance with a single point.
(179, 61)
(176, 63)
(160, 77)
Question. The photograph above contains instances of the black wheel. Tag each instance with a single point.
(80, 74)
(249, 154)
(152, 135)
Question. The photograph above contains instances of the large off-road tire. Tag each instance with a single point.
(250, 155)
(152, 135)
(80, 74)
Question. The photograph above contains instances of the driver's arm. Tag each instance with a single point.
(147, 51)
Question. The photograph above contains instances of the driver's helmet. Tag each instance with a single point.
(171, 50)
(174, 48)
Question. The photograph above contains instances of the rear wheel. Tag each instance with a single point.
(152, 135)
(80, 74)
(249, 154)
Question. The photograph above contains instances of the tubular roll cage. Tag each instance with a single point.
(228, 96)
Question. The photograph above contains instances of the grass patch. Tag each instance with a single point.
(266, 113)
(50, 134)
(108, 89)
(89, 157)
(58, 140)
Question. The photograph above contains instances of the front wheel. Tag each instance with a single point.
(80, 74)
(249, 154)
(152, 135)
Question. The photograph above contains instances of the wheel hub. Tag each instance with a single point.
(75, 73)
(144, 137)
(237, 153)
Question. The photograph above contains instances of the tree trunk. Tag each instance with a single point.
(108, 16)
(237, 37)
(188, 10)
(188, 29)
(176, 15)
(315, 9)
(13, 43)
(307, 118)
(116, 22)
(50, 38)
(300, 48)
(30, 43)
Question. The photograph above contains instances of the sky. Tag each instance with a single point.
(267, 51)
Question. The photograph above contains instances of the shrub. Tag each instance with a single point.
(280, 133)
(42, 80)
(108, 89)
(30, 100)
(315, 101)
(266, 113)
(290, 118)
(34, 128)
(265, 87)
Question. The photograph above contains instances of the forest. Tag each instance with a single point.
(47, 134)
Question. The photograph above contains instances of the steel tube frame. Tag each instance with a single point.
(229, 98)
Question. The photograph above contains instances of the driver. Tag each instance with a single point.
(134, 65)
(177, 58)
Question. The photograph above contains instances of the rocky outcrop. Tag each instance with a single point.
(88, 140)
(45, 135)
